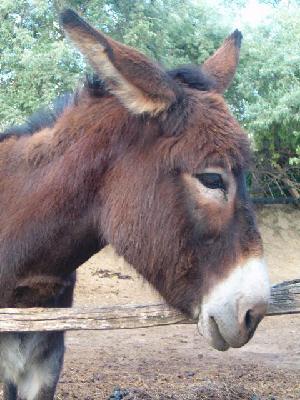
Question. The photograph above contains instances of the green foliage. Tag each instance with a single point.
(35, 63)
(266, 95)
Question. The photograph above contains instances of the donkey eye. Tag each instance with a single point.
(211, 180)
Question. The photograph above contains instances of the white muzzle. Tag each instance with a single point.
(234, 307)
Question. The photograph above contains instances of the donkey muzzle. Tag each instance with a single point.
(232, 310)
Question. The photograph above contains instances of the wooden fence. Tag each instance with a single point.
(285, 299)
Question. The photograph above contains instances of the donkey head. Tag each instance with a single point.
(174, 201)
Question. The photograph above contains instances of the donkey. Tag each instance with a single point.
(150, 161)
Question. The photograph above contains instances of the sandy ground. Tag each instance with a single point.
(173, 362)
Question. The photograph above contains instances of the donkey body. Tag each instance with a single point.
(149, 161)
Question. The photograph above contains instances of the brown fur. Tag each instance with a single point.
(119, 165)
(104, 174)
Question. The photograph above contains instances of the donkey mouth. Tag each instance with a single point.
(211, 332)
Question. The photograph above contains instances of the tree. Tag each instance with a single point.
(266, 96)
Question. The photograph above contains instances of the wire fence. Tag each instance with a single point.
(273, 184)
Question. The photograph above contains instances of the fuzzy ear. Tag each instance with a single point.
(139, 84)
(221, 66)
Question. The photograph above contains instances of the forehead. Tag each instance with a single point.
(209, 134)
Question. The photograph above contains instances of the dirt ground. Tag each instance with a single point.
(174, 362)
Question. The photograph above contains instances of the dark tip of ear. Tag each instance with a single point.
(237, 37)
(69, 17)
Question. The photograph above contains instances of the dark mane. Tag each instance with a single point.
(192, 76)
(45, 117)
(95, 85)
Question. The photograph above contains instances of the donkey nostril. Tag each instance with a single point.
(252, 319)
(248, 320)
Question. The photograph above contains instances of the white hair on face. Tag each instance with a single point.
(223, 310)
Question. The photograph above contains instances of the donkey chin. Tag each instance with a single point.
(232, 310)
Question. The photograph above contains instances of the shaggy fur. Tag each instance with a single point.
(118, 163)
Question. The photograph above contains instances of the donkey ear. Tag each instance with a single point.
(221, 66)
(139, 84)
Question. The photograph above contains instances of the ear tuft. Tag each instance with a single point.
(68, 17)
(237, 37)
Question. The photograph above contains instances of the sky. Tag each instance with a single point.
(253, 14)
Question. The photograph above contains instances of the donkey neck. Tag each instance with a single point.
(55, 177)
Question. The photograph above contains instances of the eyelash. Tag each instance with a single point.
(212, 180)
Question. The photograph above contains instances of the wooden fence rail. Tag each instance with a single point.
(285, 299)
